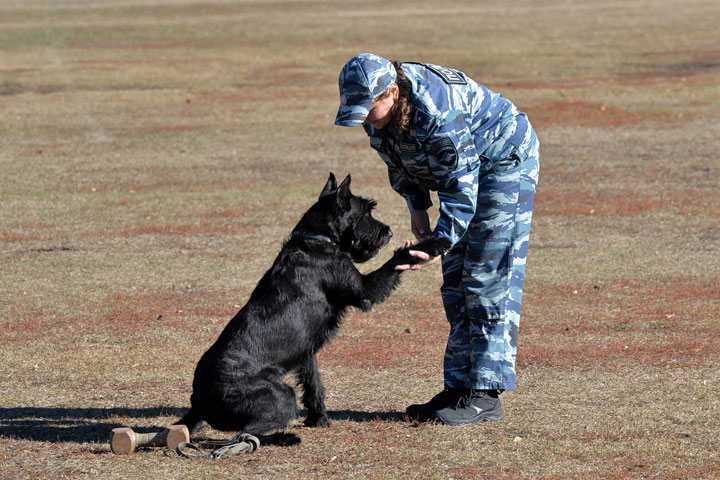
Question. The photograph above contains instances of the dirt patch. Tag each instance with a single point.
(679, 353)
(30, 326)
(580, 113)
(16, 237)
(710, 470)
(382, 350)
(28, 232)
(703, 74)
(697, 67)
(665, 325)
(227, 213)
(186, 44)
(175, 229)
(390, 337)
(553, 202)
(690, 74)
(174, 128)
(558, 203)
(694, 66)
(271, 86)
(124, 315)
(291, 74)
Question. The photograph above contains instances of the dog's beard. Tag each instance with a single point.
(368, 246)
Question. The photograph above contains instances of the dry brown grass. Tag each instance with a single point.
(154, 157)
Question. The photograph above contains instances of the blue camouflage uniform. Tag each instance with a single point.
(481, 155)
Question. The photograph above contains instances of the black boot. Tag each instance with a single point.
(423, 412)
(471, 407)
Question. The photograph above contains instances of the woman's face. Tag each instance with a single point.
(380, 112)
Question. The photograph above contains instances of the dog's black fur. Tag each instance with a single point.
(294, 310)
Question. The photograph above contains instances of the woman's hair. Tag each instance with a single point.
(403, 107)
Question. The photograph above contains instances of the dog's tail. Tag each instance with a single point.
(190, 420)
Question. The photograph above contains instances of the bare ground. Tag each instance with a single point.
(155, 157)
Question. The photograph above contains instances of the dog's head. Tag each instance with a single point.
(349, 221)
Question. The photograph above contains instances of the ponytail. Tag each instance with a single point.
(401, 113)
(403, 108)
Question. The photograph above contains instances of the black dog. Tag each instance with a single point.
(294, 310)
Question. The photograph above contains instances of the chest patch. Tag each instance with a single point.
(406, 147)
(447, 74)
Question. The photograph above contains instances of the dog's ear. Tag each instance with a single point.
(343, 193)
(330, 186)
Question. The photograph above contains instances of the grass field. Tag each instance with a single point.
(154, 155)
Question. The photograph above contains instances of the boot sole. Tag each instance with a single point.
(486, 418)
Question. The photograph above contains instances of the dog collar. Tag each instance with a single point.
(312, 236)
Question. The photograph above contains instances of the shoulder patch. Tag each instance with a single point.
(447, 74)
(444, 151)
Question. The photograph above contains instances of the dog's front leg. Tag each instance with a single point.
(378, 285)
(313, 394)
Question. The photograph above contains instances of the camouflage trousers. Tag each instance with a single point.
(483, 274)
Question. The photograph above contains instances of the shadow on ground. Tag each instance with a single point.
(80, 425)
(355, 416)
(85, 425)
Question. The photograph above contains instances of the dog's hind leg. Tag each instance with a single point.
(269, 404)
(313, 393)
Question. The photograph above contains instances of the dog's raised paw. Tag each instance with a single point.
(402, 257)
(433, 246)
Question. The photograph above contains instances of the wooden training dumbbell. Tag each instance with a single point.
(124, 440)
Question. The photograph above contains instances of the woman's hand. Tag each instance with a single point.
(426, 259)
(420, 224)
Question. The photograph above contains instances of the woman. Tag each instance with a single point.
(436, 129)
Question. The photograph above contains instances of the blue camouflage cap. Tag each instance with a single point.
(362, 79)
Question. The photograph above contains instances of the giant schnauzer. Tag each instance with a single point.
(294, 310)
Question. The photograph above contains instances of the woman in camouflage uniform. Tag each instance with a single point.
(438, 130)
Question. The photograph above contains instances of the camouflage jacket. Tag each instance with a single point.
(457, 124)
